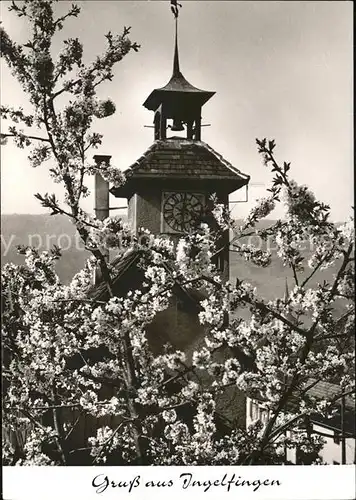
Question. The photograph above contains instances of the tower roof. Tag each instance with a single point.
(177, 159)
(177, 86)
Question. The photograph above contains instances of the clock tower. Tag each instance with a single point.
(169, 187)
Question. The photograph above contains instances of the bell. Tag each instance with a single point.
(177, 125)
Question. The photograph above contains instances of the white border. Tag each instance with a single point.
(320, 482)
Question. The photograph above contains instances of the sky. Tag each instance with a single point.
(281, 70)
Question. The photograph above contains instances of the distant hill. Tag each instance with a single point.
(42, 231)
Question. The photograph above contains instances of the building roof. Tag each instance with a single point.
(177, 86)
(328, 391)
(129, 261)
(320, 390)
(121, 264)
(179, 158)
(331, 393)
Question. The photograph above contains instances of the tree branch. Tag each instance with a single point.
(317, 267)
(31, 137)
(104, 445)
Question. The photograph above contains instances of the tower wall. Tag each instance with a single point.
(148, 210)
(144, 210)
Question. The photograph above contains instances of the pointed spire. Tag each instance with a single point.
(176, 69)
(177, 85)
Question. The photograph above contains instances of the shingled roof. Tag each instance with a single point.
(328, 391)
(179, 158)
(331, 392)
(121, 264)
(323, 390)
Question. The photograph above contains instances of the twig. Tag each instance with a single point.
(33, 137)
(103, 446)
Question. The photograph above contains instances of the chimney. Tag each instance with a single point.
(101, 200)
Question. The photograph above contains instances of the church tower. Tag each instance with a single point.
(169, 187)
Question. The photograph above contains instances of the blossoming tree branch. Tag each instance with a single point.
(68, 356)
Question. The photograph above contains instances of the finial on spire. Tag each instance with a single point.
(175, 8)
(176, 69)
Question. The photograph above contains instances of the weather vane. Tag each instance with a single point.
(175, 8)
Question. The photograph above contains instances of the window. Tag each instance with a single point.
(254, 413)
(336, 437)
(221, 263)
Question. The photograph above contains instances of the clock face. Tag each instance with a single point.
(182, 210)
